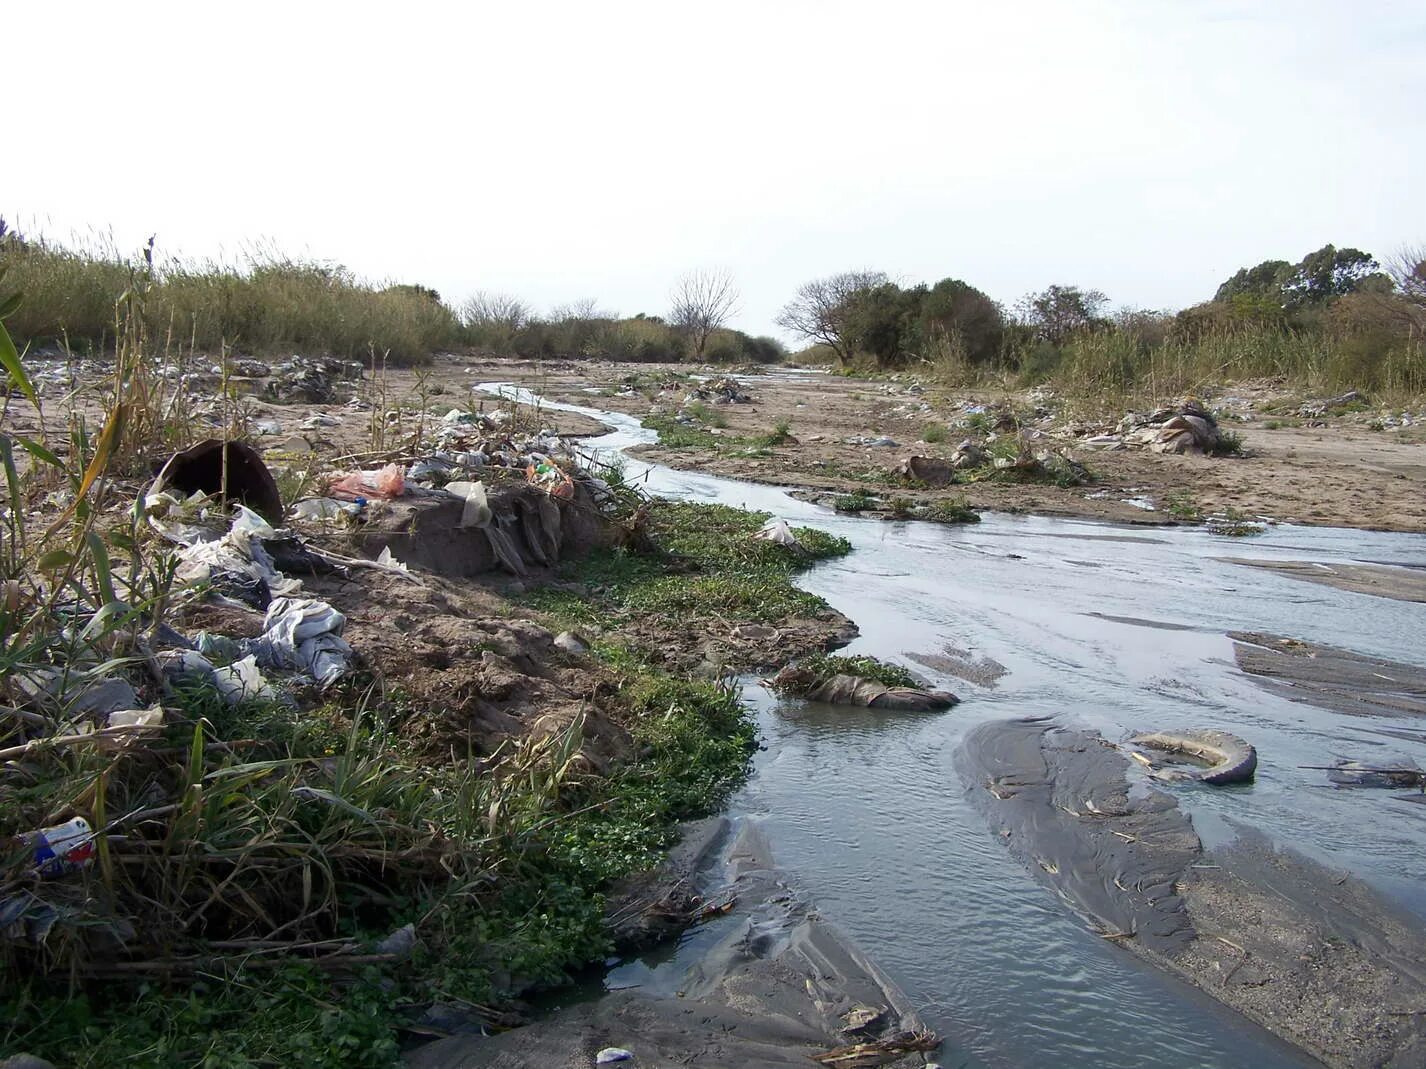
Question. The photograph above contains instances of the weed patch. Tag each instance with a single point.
(716, 567)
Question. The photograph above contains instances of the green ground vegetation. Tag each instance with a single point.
(713, 566)
(699, 436)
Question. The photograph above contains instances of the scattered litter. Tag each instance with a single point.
(127, 726)
(844, 689)
(386, 560)
(180, 666)
(217, 647)
(267, 426)
(63, 848)
(216, 468)
(239, 555)
(242, 681)
(1402, 775)
(551, 479)
(324, 508)
(477, 507)
(571, 643)
(1229, 758)
(609, 1055)
(1187, 427)
(929, 470)
(399, 943)
(723, 391)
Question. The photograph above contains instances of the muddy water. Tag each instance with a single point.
(1115, 629)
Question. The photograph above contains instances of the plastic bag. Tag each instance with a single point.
(241, 681)
(776, 530)
(386, 482)
(477, 506)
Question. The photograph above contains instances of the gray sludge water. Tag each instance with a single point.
(1113, 629)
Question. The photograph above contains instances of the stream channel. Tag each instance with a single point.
(1115, 629)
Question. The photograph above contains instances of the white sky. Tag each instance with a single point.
(565, 150)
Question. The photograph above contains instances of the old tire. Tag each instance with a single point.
(1231, 759)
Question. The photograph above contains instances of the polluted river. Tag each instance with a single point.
(1113, 630)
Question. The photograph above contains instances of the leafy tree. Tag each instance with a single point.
(411, 289)
(819, 311)
(1265, 280)
(1317, 279)
(1327, 274)
(1059, 312)
(883, 322)
(955, 308)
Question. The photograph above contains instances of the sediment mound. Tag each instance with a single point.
(1317, 958)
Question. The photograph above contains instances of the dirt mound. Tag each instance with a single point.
(479, 674)
(528, 529)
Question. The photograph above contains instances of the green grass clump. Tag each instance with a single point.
(817, 667)
(675, 435)
(508, 898)
(934, 433)
(1230, 443)
(949, 510)
(780, 434)
(859, 500)
(1181, 506)
(1233, 523)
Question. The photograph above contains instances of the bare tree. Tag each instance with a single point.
(702, 302)
(818, 312)
(485, 309)
(1408, 270)
(586, 308)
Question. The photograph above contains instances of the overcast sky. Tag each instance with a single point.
(567, 150)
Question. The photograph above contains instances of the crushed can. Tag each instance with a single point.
(64, 848)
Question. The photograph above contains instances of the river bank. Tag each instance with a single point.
(1030, 612)
(1341, 467)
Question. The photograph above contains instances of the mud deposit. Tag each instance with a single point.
(1113, 637)
(1315, 956)
(773, 985)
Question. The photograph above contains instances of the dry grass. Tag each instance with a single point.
(266, 304)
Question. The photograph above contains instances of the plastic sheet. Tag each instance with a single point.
(305, 634)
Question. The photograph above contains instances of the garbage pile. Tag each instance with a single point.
(1041, 465)
(723, 391)
(312, 380)
(1024, 461)
(1327, 405)
(1187, 428)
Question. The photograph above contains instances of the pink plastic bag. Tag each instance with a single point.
(389, 481)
